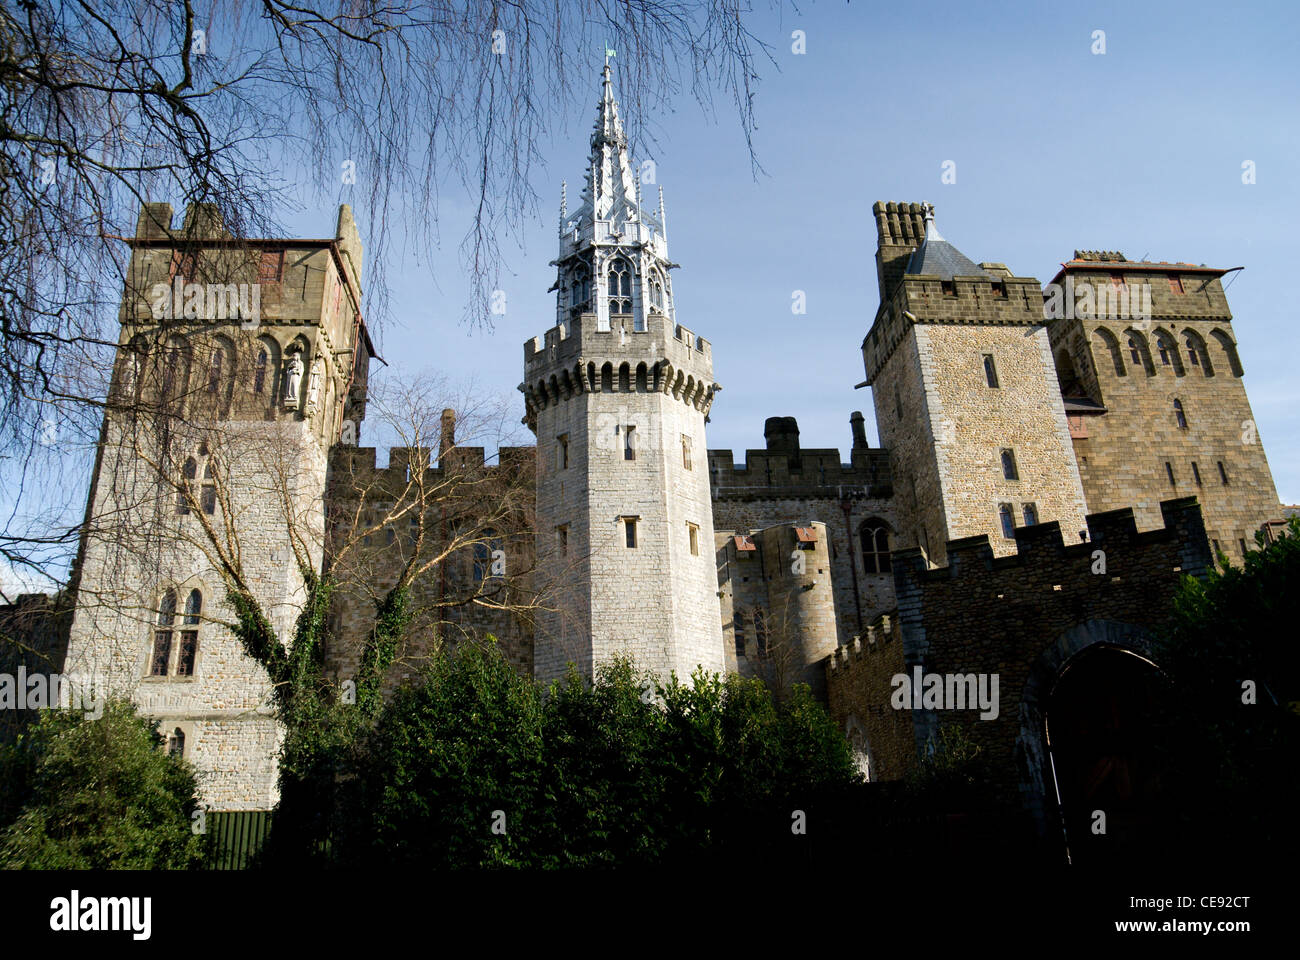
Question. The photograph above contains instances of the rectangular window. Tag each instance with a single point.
(1242, 544)
(693, 532)
(629, 442)
(562, 539)
(1031, 514)
(990, 370)
(738, 623)
(686, 451)
(948, 288)
(1196, 473)
(1169, 472)
(760, 631)
(185, 658)
(999, 288)
(162, 652)
(184, 264)
(1117, 280)
(1176, 285)
(1223, 473)
(209, 499)
(629, 527)
(563, 454)
(271, 267)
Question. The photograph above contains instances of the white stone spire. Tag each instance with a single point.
(610, 234)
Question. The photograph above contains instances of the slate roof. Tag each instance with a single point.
(936, 256)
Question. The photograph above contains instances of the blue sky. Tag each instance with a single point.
(1056, 148)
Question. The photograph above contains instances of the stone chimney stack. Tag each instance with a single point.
(447, 441)
(858, 423)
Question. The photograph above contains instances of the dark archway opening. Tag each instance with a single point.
(1103, 737)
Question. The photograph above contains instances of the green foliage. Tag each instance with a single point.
(96, 794)
(1235, 761)
(619, 770)
(950, 775)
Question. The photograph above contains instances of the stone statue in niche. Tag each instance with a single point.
(313, 387)
(293, 380)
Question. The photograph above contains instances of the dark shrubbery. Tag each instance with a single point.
(77, 793)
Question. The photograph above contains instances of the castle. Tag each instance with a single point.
(1047, 470)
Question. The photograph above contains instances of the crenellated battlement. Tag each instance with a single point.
(880, 632)
(578, 358)
(1041, 549)
(768, 474)
(354, 469)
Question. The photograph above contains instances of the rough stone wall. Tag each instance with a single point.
(797, 608)
(142, 548)
(189, 386)
(1122, 457)
(973, 423)
(1021, 617)
(858, 697)
(656, 601)
(769, 490)
(491, 505)
(901, 400)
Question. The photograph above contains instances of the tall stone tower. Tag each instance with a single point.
(618, 395)
(966, 394)
(1156, 397)
(240, 363)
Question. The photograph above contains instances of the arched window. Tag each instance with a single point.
(162, 635)
(208, 497)
(580, 289)
(1009, 470)
(1007, 517)
(487, 544)
(607, 378)
(1197, 354)
(1168, 350)
(189, 471)
(656, 291)
(873, 534)
(1140, 354)
(176, 743)
(1179, 416)
(1111, 346)
(175, 374)
(1229, 349)
(189, 635)
(620, 287)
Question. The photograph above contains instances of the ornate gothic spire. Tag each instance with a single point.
(610, 240)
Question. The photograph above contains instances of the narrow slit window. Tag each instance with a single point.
(629, 532)
(990, 370)
(1169, 472)
(629, 442)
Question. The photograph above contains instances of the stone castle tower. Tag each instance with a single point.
(966, 394)
(240, 363)
(618, 395)
(1155, 396)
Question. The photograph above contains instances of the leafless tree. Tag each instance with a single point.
(103, 106)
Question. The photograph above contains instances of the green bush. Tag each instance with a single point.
(477, 767)
(83, 794)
